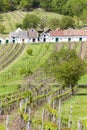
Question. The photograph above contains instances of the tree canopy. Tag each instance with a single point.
(66, 7)
(66, 67)
(30, 21)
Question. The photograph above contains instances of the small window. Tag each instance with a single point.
(7, 41)
(13, 41)
(80, 39)
(13, 37)
(69, 39)
(57, 39)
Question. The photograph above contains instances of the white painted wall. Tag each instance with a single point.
(30, 40)
(65, 39)
(2, 41)
(19, 40)
(46, 37)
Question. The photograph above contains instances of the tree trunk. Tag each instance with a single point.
(72, 90)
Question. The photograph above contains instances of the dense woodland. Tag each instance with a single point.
(66, 7)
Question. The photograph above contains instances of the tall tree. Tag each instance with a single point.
(46, 4)
(66, 67)
(26, 4)
(31, 21)
(4, 5)
(54, 23)
(67, 22)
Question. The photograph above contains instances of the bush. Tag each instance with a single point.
(29, 51)
(30, 21)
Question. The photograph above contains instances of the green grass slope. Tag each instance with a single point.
(10, 19)
(79, 109)
(11, 75)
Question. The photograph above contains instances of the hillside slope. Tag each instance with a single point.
(10, 19)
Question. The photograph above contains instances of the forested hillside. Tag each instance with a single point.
(67, 7)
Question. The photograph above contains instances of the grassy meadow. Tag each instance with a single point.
(10, 19)
(79, 108)
(39, 56)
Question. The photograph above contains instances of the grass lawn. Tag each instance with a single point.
(6, 89)
(40, 54)
(83, 79)
(79, 108)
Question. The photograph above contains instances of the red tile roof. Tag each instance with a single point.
(69, 32)
(58, 32)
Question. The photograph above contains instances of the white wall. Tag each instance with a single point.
(19, 40)
(30, 40)
(2, 41)
(46, 37)
(65, 39)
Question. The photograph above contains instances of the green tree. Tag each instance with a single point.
(19, 25)
(13, 4)
(46, 4)
(54, 23)
(4, 5)
(67, 22)
(26, 4)
(58, 5)
(83, 17)
(66, 67)
(31, 21)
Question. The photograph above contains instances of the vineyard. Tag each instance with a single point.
(37, 101)
(10, 19)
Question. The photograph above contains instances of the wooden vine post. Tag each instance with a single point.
(80, 127)
(21, 104)
(43, 119)
(59, 115)
(53, 109)
(25, 105)
(70, 118)
(7, 122)
(29, 119)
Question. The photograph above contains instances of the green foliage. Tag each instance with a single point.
(50, 125)
(54, 23)
(25, 117)
(25, 71)
(19, 25)
(66, 7)
(63, 23)
(2, 28)
(46, 4)
(2, 127)
(67, 22)
(26, 4)
(47, 46)
(31, 21)
(65, 66)
(29, 51)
